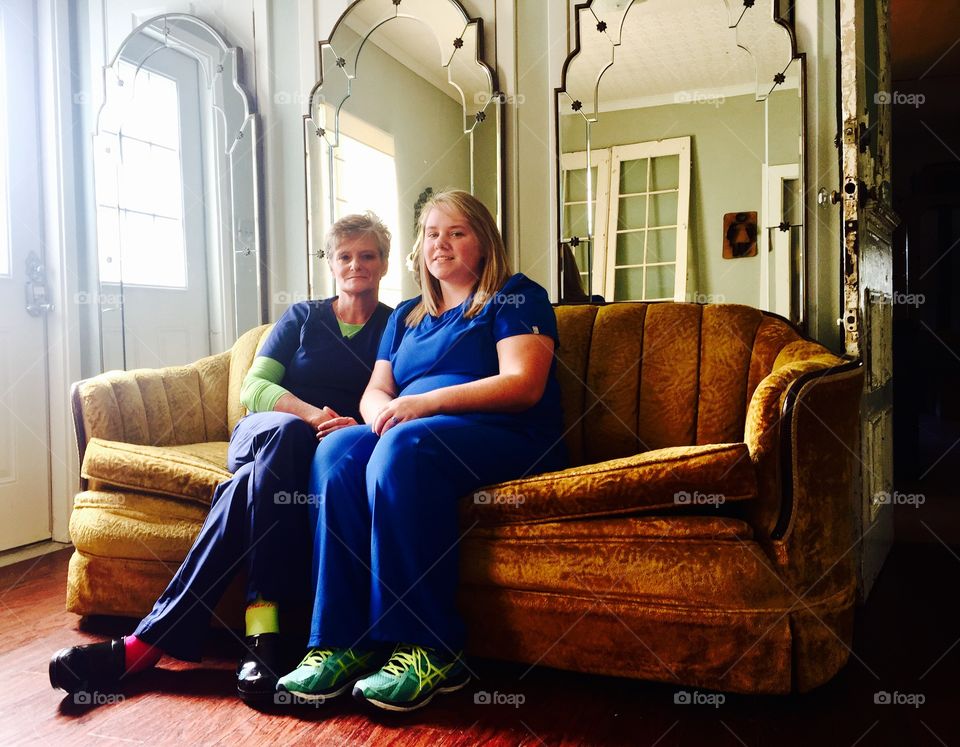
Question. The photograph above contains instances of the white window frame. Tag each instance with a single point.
(5, 243)
(601, 196)
(608, 161)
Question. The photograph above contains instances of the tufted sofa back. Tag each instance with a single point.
(638, 376)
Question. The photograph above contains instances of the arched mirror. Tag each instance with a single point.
(178, 198)
(681, 155)
(405, 106)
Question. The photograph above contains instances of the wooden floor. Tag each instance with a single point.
(906, 641)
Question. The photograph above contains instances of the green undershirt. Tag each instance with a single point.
(349, 330)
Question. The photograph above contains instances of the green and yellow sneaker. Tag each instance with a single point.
(411, 678)
(326, 673)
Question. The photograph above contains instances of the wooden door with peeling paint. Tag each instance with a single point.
(868, 223)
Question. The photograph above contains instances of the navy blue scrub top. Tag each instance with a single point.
(450, 349)
(322, 366)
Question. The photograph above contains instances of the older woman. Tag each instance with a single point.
(305, 382)
(463, 394)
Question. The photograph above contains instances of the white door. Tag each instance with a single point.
(152, 232)
(24, 432)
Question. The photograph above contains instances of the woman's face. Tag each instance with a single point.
(451, 249)
(357, 266)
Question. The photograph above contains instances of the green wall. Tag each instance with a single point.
(727, 155)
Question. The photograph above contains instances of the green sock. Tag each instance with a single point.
(262, 617)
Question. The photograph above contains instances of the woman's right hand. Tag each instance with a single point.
(333, 423)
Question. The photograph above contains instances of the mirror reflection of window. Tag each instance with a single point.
(366, 178)
(139, 188)
(4, 209)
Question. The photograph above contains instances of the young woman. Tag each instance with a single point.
(463, 394)
(306, 381)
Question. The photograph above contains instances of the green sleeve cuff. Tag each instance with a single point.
(261, 386)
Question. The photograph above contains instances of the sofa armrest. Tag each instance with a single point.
(818, 452)
(700, 477)
(159, 407)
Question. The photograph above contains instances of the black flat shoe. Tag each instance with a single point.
(258, 671)
(95, 667)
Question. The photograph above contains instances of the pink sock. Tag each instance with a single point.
(139, 655)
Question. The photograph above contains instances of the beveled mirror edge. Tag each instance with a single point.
(497, 98)
(251, 117)
(801, 321)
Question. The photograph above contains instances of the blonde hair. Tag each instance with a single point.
(495, 267)
(358, 224)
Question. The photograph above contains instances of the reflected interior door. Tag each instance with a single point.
(24, 431)
(152, 220)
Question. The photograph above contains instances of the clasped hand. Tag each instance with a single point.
(329, 421)
(400, 410)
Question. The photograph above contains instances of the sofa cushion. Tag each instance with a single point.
(135, 526)
(701, 477)
(622, 528)
(191, 471)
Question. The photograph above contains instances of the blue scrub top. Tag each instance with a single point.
(450, 349)
(321, 366)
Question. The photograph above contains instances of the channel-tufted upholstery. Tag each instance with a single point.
(700, 535)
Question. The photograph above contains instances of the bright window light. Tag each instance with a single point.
(140, 189)
(4, 204)
(367, 180)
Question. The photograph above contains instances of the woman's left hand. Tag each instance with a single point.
(401, 410)
(333, 424)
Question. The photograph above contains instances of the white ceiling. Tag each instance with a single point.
(676, 48)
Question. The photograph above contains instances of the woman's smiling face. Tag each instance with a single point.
(451, 249)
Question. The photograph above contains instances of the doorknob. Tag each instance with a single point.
(36, 288)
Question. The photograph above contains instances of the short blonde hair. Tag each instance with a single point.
(495, 269)
(358, 224)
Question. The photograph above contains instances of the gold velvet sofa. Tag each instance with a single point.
(700, 537)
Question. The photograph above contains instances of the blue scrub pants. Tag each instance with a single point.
(257, 521)
(386, 522)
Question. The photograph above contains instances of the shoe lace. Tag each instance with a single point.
(404, 656)
(316, 656)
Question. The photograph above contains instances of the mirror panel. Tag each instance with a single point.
(723, 77)
(405, 105)
(178, 200)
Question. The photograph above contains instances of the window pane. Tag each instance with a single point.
(632, 212)
(665, 172)
(628, 284)
(575, 220)
(630, 248)
(633, 176)
(662, 245)
(152, 251)
(660, 282)
(577, 185)
(663, 209)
